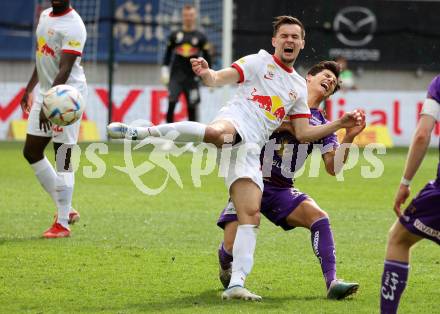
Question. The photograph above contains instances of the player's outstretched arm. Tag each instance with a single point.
(335, 160)
(307, 133)
(416, 153)
(26, 100)
(213, 78)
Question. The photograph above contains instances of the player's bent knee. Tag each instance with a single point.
(250, 217)
(397, 236)
(309, 213)
(320, 214)
(256, 218)
(253, 212)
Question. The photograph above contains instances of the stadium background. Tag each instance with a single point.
(134, 253)
(393, 56)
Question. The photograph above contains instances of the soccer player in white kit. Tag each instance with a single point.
(269, 90)
(61, 35)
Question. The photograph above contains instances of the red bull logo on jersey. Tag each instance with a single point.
(272, 105)
(43, 48)
(187, 50)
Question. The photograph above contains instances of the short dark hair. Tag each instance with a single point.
(287, 19)
(188, 7)
(327, 65)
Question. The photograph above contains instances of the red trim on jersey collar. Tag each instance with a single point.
(60, 14)
(282, 65)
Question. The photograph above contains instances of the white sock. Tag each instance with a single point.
(185, 131)
(64, 188)
(243, 252)
(47, 176)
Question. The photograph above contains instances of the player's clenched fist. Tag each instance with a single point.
(199, 65)
(353, 118)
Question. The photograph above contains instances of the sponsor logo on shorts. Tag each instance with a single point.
(426, 230)
(57, 129)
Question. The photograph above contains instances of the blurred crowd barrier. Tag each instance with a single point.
(395, 112)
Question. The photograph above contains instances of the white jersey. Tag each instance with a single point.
(269, 93)
(56, 34)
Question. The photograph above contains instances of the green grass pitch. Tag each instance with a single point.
(136, 253)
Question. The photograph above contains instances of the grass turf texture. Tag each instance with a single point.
(137, 253)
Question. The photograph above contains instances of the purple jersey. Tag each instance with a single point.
(434, 93)
(281, 173)
(434, 89)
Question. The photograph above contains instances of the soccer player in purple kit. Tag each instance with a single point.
(421, 219)
(286, 206)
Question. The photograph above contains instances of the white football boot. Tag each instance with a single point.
(117, 130)
(238, 292)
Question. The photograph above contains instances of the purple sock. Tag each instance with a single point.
(324, 248)
(224, 257)
(394, 277)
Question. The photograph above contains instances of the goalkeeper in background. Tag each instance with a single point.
(184, 44)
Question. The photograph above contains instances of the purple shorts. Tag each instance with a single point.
(277, 203)
(422, 216)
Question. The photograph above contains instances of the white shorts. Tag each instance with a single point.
(60, 134)
(241, 160)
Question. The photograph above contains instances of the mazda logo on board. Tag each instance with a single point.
(355, 26)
